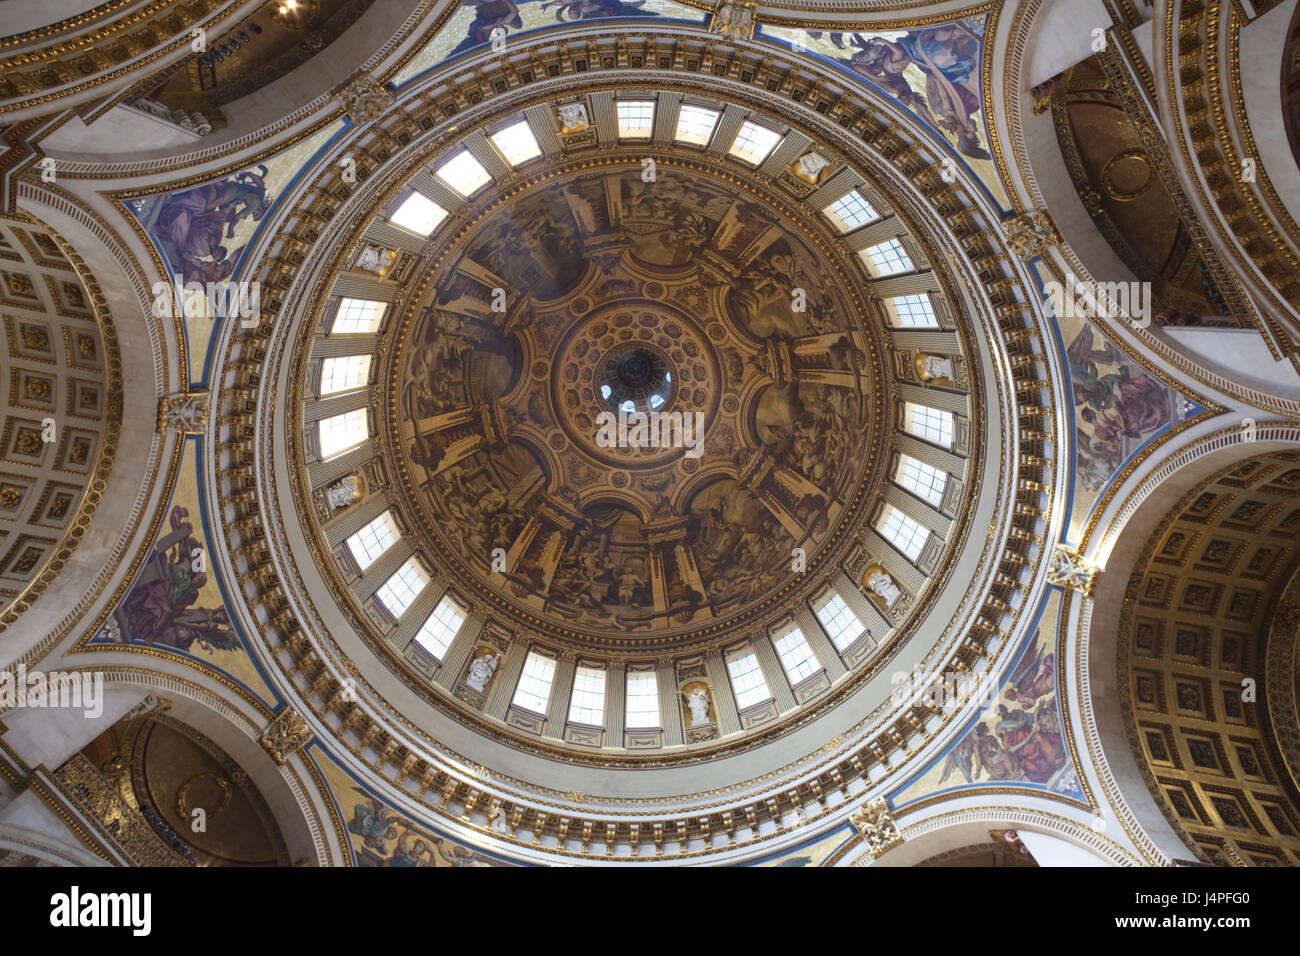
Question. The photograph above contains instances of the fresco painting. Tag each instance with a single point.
(203, 232)
(1117, 407)
(811, 854)
(934, 71)
(1018, 737)
(474, 23)
(175, 603)
(380, 836)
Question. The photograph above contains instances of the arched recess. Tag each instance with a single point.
(1193, 640)
(142, 458)
(1123, 530)
(1038, 178)
(382, 33)
(1053, 833)
(301, 808)
(1037, 165)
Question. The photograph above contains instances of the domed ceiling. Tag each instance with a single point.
(625, 413)
(633, 423)
(659, 526)
(635, 413)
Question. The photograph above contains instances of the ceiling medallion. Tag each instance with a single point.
(636, 378)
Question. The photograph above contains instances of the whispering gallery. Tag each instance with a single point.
(650, 433)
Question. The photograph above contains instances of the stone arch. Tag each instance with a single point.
(34, 848)
(140, 466)
(1126, 526)
(300, 808)
(1057, 835)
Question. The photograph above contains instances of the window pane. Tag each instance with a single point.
(342, 374)
(887, 258)
(695, 125)
(796, 656)
(534, 688)
(358, 316)
(929, 423)
(587, 705)
(636, 117)
(373, 540)
(419, 214)
(463, 173)
(914, 311)
(400, 591)
(441, 628)
(517, 143)
(747, 681)
(904, 532)
(841, 624)
(851, 211)
(754, 142)
(341, 432)
(924, 481)
(642, 699)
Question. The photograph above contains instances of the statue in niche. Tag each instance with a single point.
(573, 117)
(376, 259)
(343, 492)
(882, 584)
(934, 366)
(810, 166)
(481, 671)
(697, 702)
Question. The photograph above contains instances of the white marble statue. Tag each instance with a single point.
(375, 259)
(573, 116)
(698, 703)
(882, 584)
(343, 492)
(481, 671)
(936, 366)
(811, 165)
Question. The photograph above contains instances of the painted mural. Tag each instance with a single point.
(933, 70)
(175, 603)
(380, 836)
(1018, 737)
(202, 232)
(814, 853)
(1118, 408)
(480, 22)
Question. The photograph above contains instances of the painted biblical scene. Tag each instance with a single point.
(1018, 737)
(1118, 407)
(380, 836)
(175, 605)
(477, 23)
(935, 71)
(202, 232)
(570, 497)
